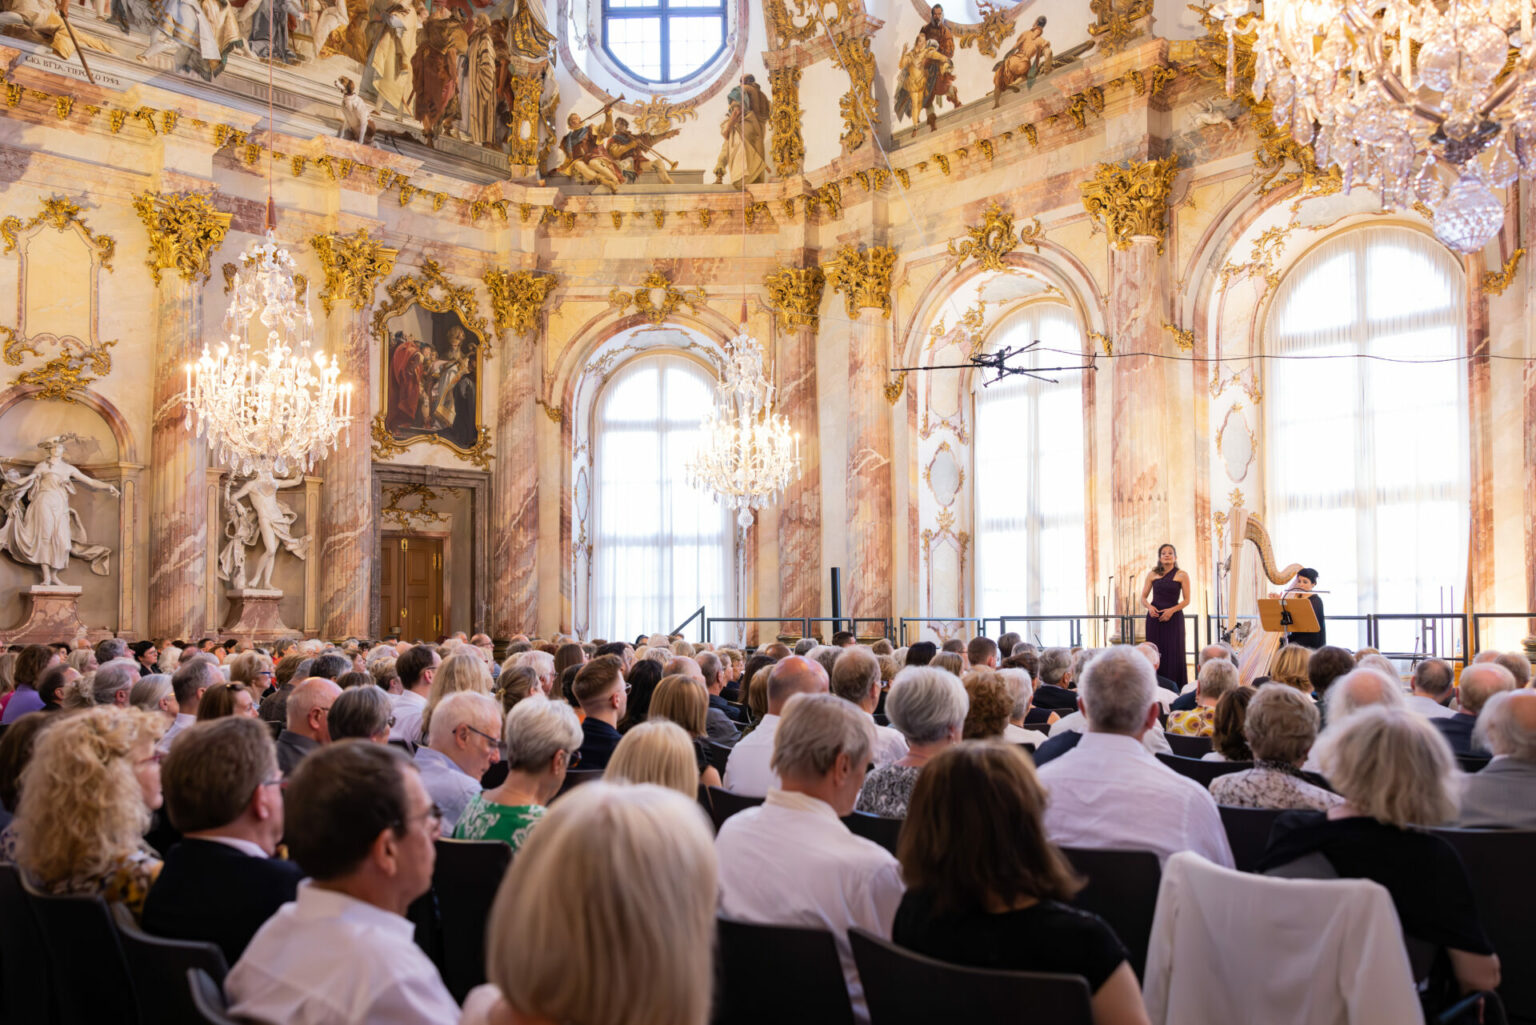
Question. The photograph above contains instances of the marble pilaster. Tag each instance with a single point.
(869, 467)
(515, 510)
(799, 526)
(346, 499)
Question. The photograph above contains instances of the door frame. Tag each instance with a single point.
(478, 485)
(446, 537)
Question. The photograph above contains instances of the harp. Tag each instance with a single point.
(1250, 570)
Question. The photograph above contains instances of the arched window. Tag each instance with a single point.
(1031, 547)
(660, 548)
(664, 41)
(1367, 459)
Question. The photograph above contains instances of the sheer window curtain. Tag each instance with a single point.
(660, 547)
(1031, 547)
(1367, 461)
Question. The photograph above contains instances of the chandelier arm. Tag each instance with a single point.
(1507, 88)
(1394, 88)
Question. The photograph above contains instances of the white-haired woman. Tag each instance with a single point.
(928, 706)
(1397, 777)
(542, 739)
(1280, 725)
(153, 693)
(1021, 689)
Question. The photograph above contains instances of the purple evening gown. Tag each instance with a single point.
(1169, 636)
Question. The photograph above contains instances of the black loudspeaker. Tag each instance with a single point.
(837, 599)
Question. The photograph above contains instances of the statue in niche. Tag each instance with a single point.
(741, 156)
(477, 107)
(263, 520)
(40, 529)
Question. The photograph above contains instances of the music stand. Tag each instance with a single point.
(1294, 615)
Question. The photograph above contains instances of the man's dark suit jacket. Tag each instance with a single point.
(1458, 730)
(597, 744)
(1048, 695)
(1057, 746)
(211, 892)
(1183, 703)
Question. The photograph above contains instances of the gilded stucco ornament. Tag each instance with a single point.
(1117, 22)
(794, 293)
(998, 24)
(1183, 338)
(787, 146)
(353, 266)
(59, 213)
(863, 276)
(785, 27)
(1131, 202)
(990, 242)
(657, 308)
(857, 106)
(894, 389)
(410, 518)
(1496, 281)
(517, 297)
(184, 230)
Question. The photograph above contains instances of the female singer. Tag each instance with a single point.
(1169, 588)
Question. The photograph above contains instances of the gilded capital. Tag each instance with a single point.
(184, 230)
(353, 265)
(1131, 202)
(517, 297)
(863, 276)
(795, 295)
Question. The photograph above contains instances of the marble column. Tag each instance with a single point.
(183, 231)
(353, 265)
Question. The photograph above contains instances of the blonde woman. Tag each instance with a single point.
(683, 700)
(1289, 666)
(7, 672)
(253, 671)
(571, 899)
(542, 740)
(465, 671)
(86, 799)
(83, 661)
(657, 752)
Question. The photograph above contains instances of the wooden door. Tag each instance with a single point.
(411, 582)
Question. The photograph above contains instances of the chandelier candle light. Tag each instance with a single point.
(280, 407)
(1430, 101)
(748, 454)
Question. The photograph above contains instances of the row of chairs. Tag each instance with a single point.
(1199, 747)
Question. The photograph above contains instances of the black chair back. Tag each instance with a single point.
(1499, 865)
(906, 988)
(882, 831)
(723, 804)
(1201, 771)
(25, 993)
(77, 930)
(1188, 747)
(208, 999)
(718, 755)
(159, 970)
(1122, 890)
(745, 994)
(576, 777)
(881, 719)
(1472, 763)
(1248, 833)
(465, 879)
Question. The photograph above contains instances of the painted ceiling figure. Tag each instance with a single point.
(477, 106)
(636, 148)
(586, 159)
(1024, 61)
(742, 157)
(393, 26)
(917, 68)
(435, 69)
(941, 77)
(527, 31)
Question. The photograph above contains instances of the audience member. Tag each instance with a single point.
(1326, 665)
(790, 861)
(154, 693)
(543, 663)
(462, 743)
(657, 751)
(682, 700)
(982, 651)
(1357, 689)
(1434, 685)
(1479, 682)
(1053, 688)
(603, 694)
(542, 739)
(31, 663)
(516, 683)
(719, 722)
(147, 657)
(921, 653)
(285, 676)
(417, 667)
(330, 666)
(805, 645)
(1020, 690)
(1502, 794)
(361, 713)
(253, 671)
(1186, 699)
(986, 889)
(221, 882)
(192, 678)
(113, 683)
(361, 825)
(1518, 665)
(928, 706)
(1007, 642)
(1215, 679)
(611, 869)
(309, 709)
(1280, 725)
(225, 699)
(462, 672)
(855, 678)
(16, 747)
(749, 770)
(1395, 774)
(1153, 654)
(989, 706)
(1228, 742)
(84, 662)
(1109, 791)
(1289, 666)
(61, 689)
(949, 661)
(85, 802)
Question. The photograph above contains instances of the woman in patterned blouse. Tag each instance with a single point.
(542, 736)
(86, 800)
(928, 706)
(1281, 725)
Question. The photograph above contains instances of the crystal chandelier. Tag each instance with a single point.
(748, 454)
(267, 403)
(1429, 101)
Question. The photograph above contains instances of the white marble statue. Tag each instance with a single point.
(39, 528)
(254, 515)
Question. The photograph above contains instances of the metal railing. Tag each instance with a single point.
(853, 623)
(710, 621)
(982, 629)
(677, 631)
(1429, 635)
(1478, 617)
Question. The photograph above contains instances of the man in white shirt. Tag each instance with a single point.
(856, 679)
(415, 667)
(361, 824)
(1109, 791)
(189, 681)
(790, 861)
(465, 732)
(748, 771)
(1434, 684)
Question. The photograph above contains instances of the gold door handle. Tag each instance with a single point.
(402, 613)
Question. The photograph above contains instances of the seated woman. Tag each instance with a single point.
(541, 738)
(1280, 725)
(986, 889)
(1228, 742)
(990, 705)
(1289, 666)
(656, 751)
(1397, 777)
(153, 693)
(684, 701)
(611, 868)
(361, 713)
(223, 699)
(516, 683)
(929, 707)
(253, 671)
(85, 803)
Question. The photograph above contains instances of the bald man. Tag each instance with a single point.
(1479, 682)
(1502, 795)
(309, 708)
(748, 772)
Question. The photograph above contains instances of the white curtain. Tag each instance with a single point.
(660, 547)
(1367, 460)
(1031, 548)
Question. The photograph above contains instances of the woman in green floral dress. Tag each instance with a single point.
(542, 737)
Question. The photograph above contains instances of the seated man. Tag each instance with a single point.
(604, 696)
(791, 861)
(1153, 654)
(221, 882)
(1502, 794)
(720, 719)
(466, 729)
(1053, 687)
(1479, 682)
(1434, 685)
(749, 770)
(361, 825)
(416, 667)
(188, 683)
(1215, 680)
(1186, 699)
(1109, 791)
(308, 709)
(856, 679)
